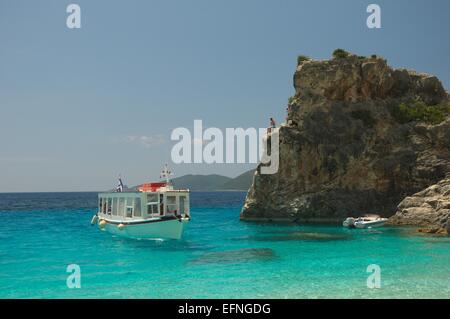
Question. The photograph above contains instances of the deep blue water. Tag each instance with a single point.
(218, 257)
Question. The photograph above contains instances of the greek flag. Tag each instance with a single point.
(119, 187)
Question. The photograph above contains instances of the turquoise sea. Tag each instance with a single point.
(219, 256)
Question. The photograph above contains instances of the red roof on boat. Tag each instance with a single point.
(151, 187)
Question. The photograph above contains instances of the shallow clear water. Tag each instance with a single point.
(219, 256)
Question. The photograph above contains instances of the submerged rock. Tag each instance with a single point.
(303, 236)
(428, 209)
(235, 256)
(350, 146)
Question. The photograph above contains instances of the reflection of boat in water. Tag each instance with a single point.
(368, 221)
(155, 210)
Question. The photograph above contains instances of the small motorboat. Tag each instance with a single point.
(368, 221)
(349, 222)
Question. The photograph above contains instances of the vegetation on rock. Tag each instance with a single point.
(340, 54)
(292, 100)
(419, 111)
(302, 58)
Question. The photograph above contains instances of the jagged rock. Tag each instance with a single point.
(343, 152)
(429, 208)
(352, 80)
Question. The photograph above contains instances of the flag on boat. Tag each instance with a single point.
(119, 187)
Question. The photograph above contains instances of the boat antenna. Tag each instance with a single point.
(166, 173)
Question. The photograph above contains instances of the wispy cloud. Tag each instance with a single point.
(23, 159)
(145, 141)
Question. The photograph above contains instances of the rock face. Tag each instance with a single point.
(429, 208)
(343, 151)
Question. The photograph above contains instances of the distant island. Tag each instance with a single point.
(212, 182)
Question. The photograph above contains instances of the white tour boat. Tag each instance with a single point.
(155, 210)
(364, 222)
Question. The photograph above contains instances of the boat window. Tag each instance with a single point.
(152, 204)
(129, 212)
(114, 207)
(100, 204)
(183, 208)
(152, 209)
(121, 206)
(129, 207)
(137, 207)
(104, 206)
(109, 206)
(129, 201)
(152, 198)
(171, 204)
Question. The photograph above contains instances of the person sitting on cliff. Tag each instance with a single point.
(272, 125)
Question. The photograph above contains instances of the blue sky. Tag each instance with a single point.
(74, 103)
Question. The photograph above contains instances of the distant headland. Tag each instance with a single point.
(211, 182)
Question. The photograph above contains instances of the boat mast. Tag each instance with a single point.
(166, 173)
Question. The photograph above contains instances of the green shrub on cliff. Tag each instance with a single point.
(365, 116)
(302, 58)
(291, 100)
(340, 53)
(419, 111)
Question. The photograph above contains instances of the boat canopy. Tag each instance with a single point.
(152, 187)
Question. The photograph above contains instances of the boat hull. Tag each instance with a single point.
(371, 224)
(159, 229)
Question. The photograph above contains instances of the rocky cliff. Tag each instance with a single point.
(429, 209)
(360, 136)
